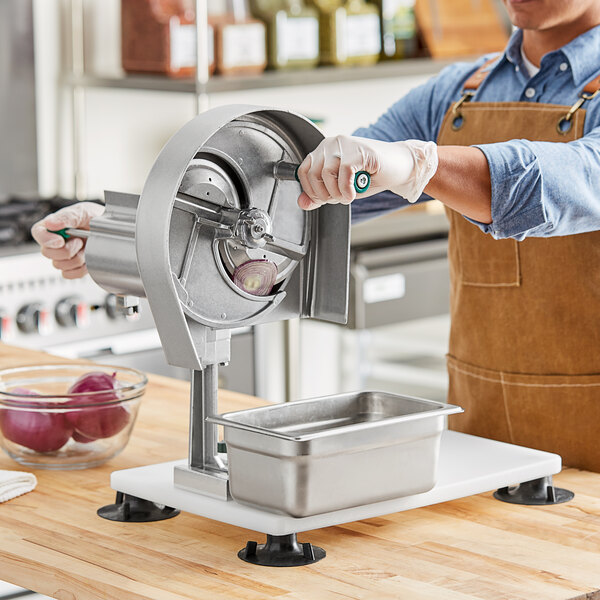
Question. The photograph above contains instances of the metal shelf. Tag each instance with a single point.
(268, 79)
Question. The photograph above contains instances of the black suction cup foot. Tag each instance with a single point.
(281, 551)
(131, 509)
(538, 492)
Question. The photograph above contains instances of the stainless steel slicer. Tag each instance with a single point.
(217, 241)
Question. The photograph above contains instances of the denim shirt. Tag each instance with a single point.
(539, 189)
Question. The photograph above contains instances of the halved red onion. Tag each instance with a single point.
(103, 421)
(37, 430)
(256, 277)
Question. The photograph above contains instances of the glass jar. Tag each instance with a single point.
(159, 36)
(240, 40)
(398, 28)
(361, 43)
(292, 32)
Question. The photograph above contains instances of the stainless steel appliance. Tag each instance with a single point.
(400, 276)
(399, 304)
(18, 150)
(216, 241)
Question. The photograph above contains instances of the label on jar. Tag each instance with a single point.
(244, 45)
(384, 288)
(362, 35)
(398, 21)
(297, 38)
(183, 45)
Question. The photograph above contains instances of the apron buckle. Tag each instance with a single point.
(458, 118)
(565, 123)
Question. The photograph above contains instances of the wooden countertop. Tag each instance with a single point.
(51, 540)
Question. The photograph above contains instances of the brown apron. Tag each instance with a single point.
(524, 357)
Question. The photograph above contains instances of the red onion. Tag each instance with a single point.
(256, 277)
(82, 439)
(35, 429)
(104, 421)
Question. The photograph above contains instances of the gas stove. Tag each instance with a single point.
(39, 309)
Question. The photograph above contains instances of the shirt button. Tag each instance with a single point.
(563, 66)
(530, 92)
(517, 69)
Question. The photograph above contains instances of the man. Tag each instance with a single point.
(511, 145)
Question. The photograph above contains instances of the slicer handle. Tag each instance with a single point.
(62, 232)
(69, 232)
(288, 171)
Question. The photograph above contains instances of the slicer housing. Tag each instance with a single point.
(211, 205)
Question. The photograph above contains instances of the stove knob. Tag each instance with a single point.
(34, 318)
(72, 312)
(110, 304)
(7, 330)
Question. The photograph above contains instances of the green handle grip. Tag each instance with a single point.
(62, 232)
(362, 181)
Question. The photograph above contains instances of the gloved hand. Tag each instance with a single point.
(67, 256)
(327, 173)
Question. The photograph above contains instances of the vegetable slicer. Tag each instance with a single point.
(217, 241)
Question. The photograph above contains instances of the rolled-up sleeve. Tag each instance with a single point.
(543, 189)
(416, 116)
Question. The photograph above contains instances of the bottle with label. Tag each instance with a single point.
(292, 32)
(398, 29)
(240, 40)
(159, 36)
(332, 21)
(361, 41)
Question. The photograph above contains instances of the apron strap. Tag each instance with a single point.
(469, 90)
(589, 92)
(564, 124)
(472, 84)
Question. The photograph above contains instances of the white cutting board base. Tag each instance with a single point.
(468, 465)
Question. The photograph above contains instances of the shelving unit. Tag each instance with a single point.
(76, 81)
(269, 79)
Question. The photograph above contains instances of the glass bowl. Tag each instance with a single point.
(44, 426)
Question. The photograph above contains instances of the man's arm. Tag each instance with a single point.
(462, 182)
(416, 116)
(514, 189)
(544, 189)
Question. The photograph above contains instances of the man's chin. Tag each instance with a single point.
(527, 22)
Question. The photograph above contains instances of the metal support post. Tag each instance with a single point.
(203, 435)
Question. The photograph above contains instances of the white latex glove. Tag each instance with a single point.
(67, 256)
(327, 173)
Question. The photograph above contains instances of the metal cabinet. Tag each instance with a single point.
(399, 282)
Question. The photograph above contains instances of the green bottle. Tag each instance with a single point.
(350, 32)
(292, 32)
(332, 23)
(398, 28)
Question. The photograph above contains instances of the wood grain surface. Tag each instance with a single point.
(51, 540)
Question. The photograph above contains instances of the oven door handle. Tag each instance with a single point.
(117, 345)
